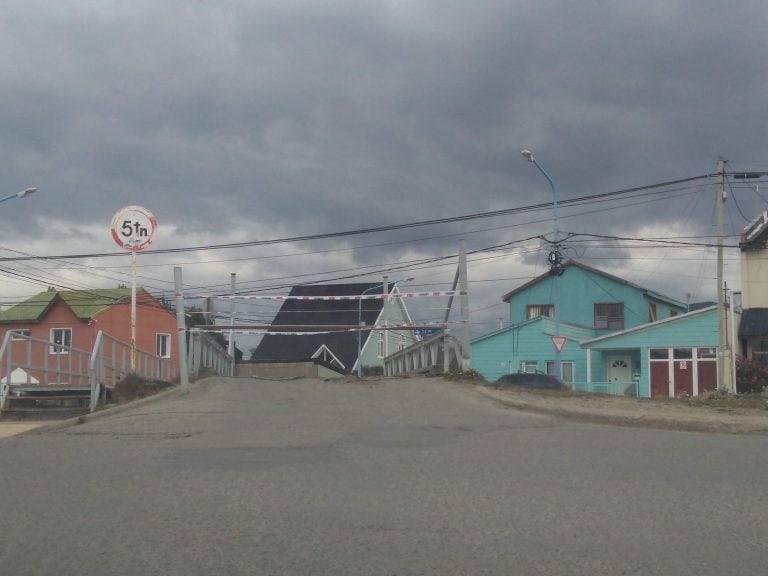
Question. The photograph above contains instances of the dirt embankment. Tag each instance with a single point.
(714, 413)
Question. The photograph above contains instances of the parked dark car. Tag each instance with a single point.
(537, 380)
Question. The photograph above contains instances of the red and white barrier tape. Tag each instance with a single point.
(281, 297)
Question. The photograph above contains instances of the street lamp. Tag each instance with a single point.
(360, 322)
(18, 194)
(554, 258)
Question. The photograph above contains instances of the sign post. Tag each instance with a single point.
(133, 228)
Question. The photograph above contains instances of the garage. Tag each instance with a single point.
(682, 371)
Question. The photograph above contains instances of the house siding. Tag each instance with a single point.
(502, 352)
(151, 318)
(697, 330)
(580, 289)
(754, 279)
(393, 312)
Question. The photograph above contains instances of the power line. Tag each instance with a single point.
(452, 219)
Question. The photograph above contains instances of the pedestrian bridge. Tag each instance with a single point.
(438, 354)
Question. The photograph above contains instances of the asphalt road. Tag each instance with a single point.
(399, 478)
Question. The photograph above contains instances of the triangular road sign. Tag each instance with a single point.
(558, 342)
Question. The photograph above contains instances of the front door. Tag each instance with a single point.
(619, 368)
(683, 374)
(660, 378)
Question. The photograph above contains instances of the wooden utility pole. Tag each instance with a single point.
(466, 356)
(723, 352)
(181, 327)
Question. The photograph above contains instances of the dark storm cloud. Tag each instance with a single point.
(304, 117)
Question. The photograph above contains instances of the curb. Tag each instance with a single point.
(638, 420)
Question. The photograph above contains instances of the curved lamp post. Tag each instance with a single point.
(21, 194)
(528, 155)
(360, 322)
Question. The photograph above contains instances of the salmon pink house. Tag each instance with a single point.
(74, 318)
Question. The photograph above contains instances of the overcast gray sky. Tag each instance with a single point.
(235, 121)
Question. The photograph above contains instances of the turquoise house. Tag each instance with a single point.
(593, 304)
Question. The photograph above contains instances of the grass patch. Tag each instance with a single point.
(725, 401)
(720, 401)
(465, 376)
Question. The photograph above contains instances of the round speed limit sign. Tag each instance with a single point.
(133, 228)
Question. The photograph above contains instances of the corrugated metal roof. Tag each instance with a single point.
(84, 304)
(31, 310)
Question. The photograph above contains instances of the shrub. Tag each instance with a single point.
(373, 370)
(751, 376)
(133, 387)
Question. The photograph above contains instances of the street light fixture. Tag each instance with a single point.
(360, 322)
(554, 258)
(21, 194)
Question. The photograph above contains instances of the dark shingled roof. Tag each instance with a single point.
(754, 322)
(318, 313)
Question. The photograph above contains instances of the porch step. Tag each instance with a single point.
(42, 403)
(55, 413)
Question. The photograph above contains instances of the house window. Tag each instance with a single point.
(706, 353)
(672, 313)
(20, 333)
(609, 315)
(401, 341)
(61, 339)
(529, 366)
(163, 345)
(535, 310)
(682, 353)
(651, 312)
(660, 354)
(760, 351)
(380, 345)
(565, 366)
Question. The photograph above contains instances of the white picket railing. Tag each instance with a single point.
(110, 362)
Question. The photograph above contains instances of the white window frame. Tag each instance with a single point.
(57, 347)
(607, 317)
(538, 310)
(380, 345)
(525, 366)
(21, 333)
(167, 338)
(652, 312)
(401, 341)
(563, 365)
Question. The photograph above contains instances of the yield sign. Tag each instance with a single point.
(558, 342)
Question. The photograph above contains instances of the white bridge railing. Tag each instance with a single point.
(31, 362)
(205, 352)
(438, 353)
(110, 362)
